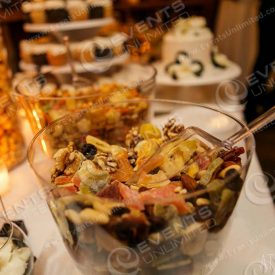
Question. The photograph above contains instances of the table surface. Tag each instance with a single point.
(249, 244)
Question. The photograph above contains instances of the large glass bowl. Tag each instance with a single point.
(43, 105)
(179, 246)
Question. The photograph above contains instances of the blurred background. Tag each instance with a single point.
(250, 46)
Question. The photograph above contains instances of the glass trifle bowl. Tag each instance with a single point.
(47, 97)
(118, 214)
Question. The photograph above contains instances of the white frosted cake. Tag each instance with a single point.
(191, 36)
(188, 49)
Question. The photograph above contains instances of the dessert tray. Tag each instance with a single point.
(80, 67)
(211, 76)
(68, 26)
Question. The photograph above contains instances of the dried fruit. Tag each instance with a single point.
(125, 170)
(167, 212)
(231, 155)
(111, 192)
(148, 131)
(193, 169)
(92, 178)
(202, 201)
(189, 183)
(89, 150)
(99, 144)
(93, 216)
(233, 167)
(145, 149)
(213, 167)
(153, 181)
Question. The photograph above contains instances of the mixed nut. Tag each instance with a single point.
(105, 197)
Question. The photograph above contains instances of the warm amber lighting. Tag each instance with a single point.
(4, 179)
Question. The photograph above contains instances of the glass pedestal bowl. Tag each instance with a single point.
(119, 236)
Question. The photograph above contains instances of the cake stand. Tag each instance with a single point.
(68, 26)
(80, 67)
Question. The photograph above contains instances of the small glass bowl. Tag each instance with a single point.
(15, 254)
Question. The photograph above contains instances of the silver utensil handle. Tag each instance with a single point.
(69, 56)
(253, 127)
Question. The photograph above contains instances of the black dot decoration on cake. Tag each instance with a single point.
(184, 66)
(218, 59)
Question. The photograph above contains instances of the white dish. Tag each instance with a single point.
(210, 76)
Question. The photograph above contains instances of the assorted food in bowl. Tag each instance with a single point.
(111, 204)
(45, 98)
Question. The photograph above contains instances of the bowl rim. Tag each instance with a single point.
(168, 101)
(133, 84)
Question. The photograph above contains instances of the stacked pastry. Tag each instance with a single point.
(54, 11)
(46, 52)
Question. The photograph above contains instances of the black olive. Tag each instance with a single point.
(119, 211)
(89, 150)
